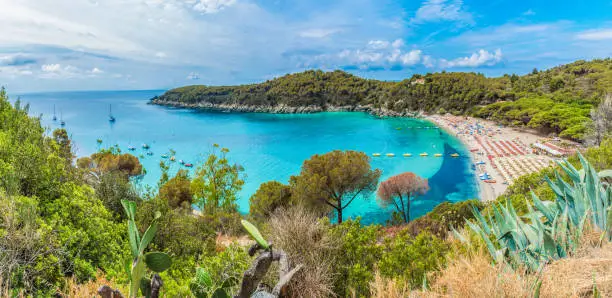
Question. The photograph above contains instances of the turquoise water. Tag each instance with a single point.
(268, 146)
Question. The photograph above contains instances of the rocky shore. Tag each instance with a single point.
(284, 109)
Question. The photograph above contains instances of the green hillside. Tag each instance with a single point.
(562, 94)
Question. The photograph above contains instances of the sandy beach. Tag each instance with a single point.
(499, 154)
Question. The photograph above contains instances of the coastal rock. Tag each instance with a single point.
(284, 109)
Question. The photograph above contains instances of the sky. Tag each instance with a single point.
(160, 44)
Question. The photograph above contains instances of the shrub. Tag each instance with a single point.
(409, 258)
(220, 274)
(269, 197)
(177, 191)
(305, 238)
(358, 253)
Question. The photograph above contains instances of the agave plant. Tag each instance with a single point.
(154, 261)
(552, 229)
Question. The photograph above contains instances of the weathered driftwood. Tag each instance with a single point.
(251, 280)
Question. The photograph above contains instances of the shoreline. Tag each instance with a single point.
(504, 153)
(498, 162)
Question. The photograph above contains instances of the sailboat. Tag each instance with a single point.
(62, 122)
(54, 117)
(111, 118)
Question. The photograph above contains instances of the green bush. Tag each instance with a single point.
(220, 273)
(358, 254)
(409, 258)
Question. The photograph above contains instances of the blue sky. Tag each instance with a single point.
(159, 44)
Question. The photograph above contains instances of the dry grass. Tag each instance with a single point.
(473, 275)
(303, 237)
(383, 287)
(90, 289)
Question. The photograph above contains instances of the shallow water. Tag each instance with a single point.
(268, 146)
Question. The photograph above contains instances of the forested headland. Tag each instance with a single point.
(557, 100)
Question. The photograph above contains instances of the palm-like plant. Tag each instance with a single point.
(551, 229)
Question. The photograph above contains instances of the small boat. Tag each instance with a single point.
(111, 118)
(131, 148)
(424, 154)
(146, 146)
(62, 122)
(438, 155)
(490, 181)
(164, 156)
(390, 154)
(455, 155)
(54, 117)
(149, 153)
(181, 161)
(407, 154)
(189, 165)
(376, 154)
(172, 158)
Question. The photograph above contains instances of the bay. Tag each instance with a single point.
(268, 146)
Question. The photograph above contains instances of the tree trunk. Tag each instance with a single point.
(339, 215)
(408, 209)
(403, 209)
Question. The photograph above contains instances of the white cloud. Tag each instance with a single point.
(212, 6)
(319, 32)
(529, 12)
(411, 58)
(596, 35)
(51, 67)
(428, 61)
(378, 44)
(480, 58)
(377, 53)
(96, 70)
(193, 76)
(442, 10)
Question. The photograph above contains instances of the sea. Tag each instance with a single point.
(268, 146)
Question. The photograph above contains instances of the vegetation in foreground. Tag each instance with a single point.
(64, 229)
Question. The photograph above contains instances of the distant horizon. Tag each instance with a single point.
(162, 44)
(314, 69)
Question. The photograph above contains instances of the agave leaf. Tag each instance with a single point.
(481, 220)
(157, 261)
(459, 236)
(569, 169)
(254, 232)
(485, 238)
(605, 174)
(536, 292)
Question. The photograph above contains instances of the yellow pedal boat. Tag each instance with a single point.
(423, 154)
(407, 154)
(455, 155)
(376, 154)
(390, 154)
(438, 155)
